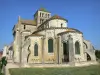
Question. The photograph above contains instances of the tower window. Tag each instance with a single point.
(48, 15)
(40, 14)
(24, 26)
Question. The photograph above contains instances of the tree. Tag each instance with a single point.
(3, 63)
(97, 53)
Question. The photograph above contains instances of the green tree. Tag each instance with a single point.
(3, 63)
(97, 53)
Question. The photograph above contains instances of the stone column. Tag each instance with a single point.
(71, 51)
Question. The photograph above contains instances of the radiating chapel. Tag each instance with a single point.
(48, 39)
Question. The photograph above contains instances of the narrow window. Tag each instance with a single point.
(48, 15)
(61, 25)
(24, 27)
(40, 21)
(35, 50)
(45, 15)
(77, 48)
(50, 45)
(40, 14)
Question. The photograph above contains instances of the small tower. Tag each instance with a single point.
(41, 15)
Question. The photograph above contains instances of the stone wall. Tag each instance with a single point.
(76, 37)
(32, 58)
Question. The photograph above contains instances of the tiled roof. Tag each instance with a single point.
(43, 9)
(28, 22)
(58, 17)
(70, 30)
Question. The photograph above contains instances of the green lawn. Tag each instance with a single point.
(89, 70)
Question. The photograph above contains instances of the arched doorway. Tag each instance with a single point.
(65, 52)
(88, 57)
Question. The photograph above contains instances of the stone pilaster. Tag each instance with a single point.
(60, 51)
(17, 47)
(43, 50)
(24, 56)
(71, 51)
(55, 51)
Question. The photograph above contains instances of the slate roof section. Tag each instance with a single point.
(58, 17)
(28, 22)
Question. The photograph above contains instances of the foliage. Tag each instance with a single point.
(3, 62)
(97, 53)
(89, 70)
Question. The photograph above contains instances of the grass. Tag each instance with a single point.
(89, 70)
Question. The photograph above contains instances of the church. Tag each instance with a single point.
(48, 40)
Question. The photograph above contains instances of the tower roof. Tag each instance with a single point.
(58, 17)
(43, 9)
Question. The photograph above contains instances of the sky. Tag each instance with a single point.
(83, 15)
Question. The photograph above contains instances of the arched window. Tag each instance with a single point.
(77, 48)
(85, 45)
(50, 45)
(48, 15)
(40, 14)
(35, 50)
(61, 25)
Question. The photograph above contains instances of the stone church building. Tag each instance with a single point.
(48, 39)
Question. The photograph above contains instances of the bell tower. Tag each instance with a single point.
(41, 15)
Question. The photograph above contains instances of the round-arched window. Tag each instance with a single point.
(36, 49)
(50, 45)
(77, 48)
